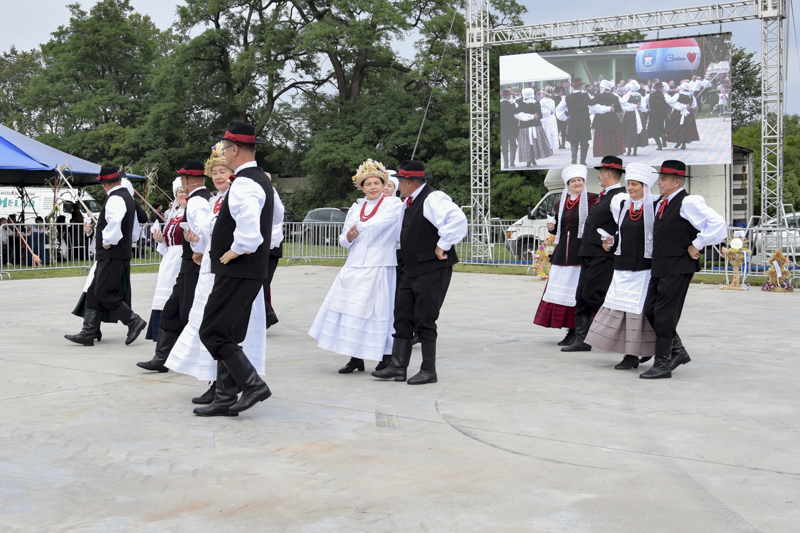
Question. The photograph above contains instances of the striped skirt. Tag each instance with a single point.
(621, 332)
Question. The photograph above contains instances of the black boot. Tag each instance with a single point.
(224, 395)
(661, 368)
(384, 363)
(569, 339)
(272, 319)
(208, 396)
(401, 355)
(630, 361)
(679, 354)
(134, 322)
(254, 389)
(658, 142)
(166, 340)
(635, 150)
(427, 372)
(353, 364)
(90, 329)
(582, 325)
(574, 149)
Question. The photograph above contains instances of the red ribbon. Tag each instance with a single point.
(610, 165)
(672, 171)
(247, 139)
(191, 172)
(108, 176)
(411, 173)
(664, 203)
(408, 202)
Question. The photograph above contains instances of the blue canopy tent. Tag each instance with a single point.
(25, 162)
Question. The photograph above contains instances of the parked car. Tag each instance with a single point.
(292, 229)
(524, 235)
(323, 225)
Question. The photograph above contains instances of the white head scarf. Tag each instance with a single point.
(608, 85)
(394, 181)
(176, 184)
(633, 85)
(128, 185)
(528, 95)
(647, 176)
(573, 171)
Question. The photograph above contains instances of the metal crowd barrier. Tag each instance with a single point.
(60, 246)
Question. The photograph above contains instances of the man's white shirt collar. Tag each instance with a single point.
(243, 166)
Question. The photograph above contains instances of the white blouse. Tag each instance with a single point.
(378, 238)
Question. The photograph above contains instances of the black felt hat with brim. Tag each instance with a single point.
(673, 167)
(241, 132)
(412, 169)
(611, 161)
(192, 168)
(109, 172)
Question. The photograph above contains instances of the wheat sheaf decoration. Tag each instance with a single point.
(370, 169)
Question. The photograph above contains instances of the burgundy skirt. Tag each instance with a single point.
(607, 142)
(550, 315)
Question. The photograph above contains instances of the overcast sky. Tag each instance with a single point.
(49, 14)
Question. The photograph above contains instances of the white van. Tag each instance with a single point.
(40, 201)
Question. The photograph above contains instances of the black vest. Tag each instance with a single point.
(672, 236)
(418, 239)
(631, 255)
(600, 216)
(187, 263)
(121, 250)
(254, 265)
(566, 251)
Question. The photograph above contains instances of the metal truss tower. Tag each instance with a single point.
(480, 38)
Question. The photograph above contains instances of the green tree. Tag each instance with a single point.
(745, 88)
(610, 39)
(17, 68)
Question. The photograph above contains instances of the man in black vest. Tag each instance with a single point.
(574, 108)
(240, 248)
(115, 233)
(432, 225)
(508, 128)
(176, 311)
(597, 265)
(683, 226)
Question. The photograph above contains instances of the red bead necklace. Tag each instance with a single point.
(572, 203)
(635, 215)
(364, 216)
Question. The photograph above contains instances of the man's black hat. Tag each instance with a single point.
(611, 161)
(673, 167)
(193, 168)
(412, 169)
(241, 132)
(109, 172)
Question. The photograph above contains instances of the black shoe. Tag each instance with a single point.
(661, 368)
(207, 397)
(582, 325)
(630, 361)
(384, 363)
(166, 340)
(401, 355)
(353, 364)
(679, 354)
(427, 372)
(569, 339)
(134, 322)
(272, 319)
(254, 390)
(90, 329)
(224, 395)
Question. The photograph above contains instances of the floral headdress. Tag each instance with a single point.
(215, 159)
(370, 169)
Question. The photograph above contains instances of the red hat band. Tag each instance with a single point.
(611, 165)
(108, 177)
(411, 173)
(190, 172)
(236, 137)
(672, 171)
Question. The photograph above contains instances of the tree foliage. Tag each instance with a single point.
(745, 88)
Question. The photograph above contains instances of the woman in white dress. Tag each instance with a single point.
(189, 355)
(620, 326)
(169, 245)
(357, 316)
(549, 122)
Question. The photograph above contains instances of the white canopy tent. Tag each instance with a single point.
(528, 68)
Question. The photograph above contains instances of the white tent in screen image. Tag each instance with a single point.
(526, 68)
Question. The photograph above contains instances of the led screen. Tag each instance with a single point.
(644, 102)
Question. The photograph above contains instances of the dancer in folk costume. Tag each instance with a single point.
(549, 122)
(634, 122)
(189, 355)
(117, 229)
(532, 143)
(170, 246)
(175, 315)
(557, 307)
(275, 253)
(240, 245)
(597, 264)
(683, 226)
(659, 112)
(606, 124)
(681, 126)
(508, 128)
(574, 109)
(356, 318)
(432, 225)
(620, 325)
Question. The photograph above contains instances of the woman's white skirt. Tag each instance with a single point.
(350, 334)
(167, 274)
(550, 127)
(189, 355)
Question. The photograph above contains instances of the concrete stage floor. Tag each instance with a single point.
(516, 436)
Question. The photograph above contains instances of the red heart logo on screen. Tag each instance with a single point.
(691, 57)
